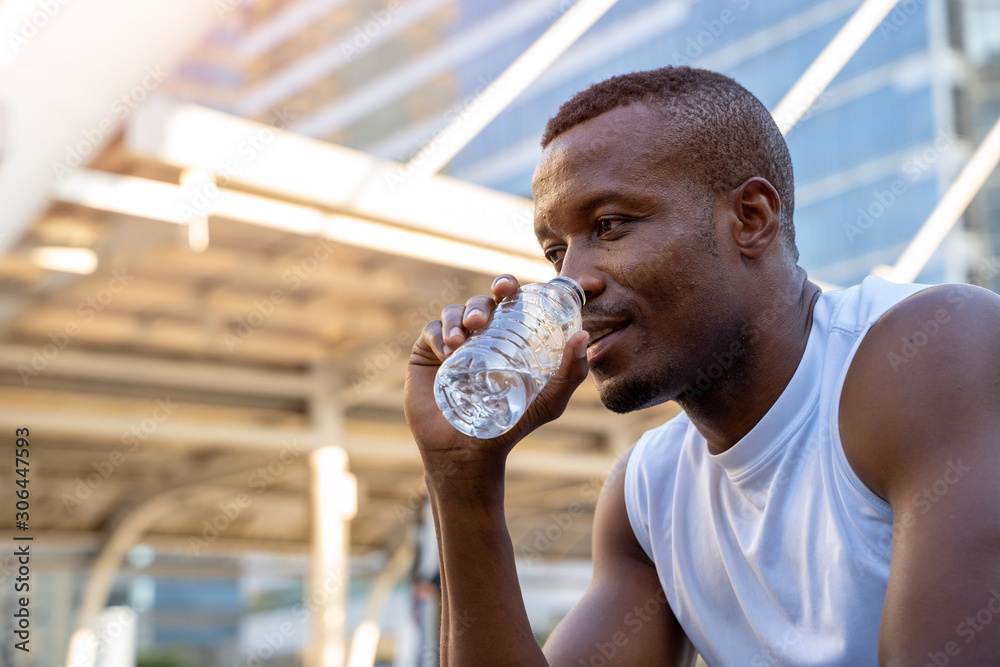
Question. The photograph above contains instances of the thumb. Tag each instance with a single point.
(552, 400)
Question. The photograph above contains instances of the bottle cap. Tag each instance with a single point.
(572, 285)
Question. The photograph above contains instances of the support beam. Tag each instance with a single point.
(297, 168)
(830, 61)
(946, 214)
(84, 541)
(503, 24)
(334, 494)
(364, 643)
(515, 79)
(487, 253)
(122, 537)
(61, 108)
(364, 449)
(161, 373)
(322, 63)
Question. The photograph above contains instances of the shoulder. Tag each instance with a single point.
(658, 447)
(928, 369)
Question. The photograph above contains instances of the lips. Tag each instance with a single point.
(603, 335)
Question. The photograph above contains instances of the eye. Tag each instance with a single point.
(609, 224)
(555, 254)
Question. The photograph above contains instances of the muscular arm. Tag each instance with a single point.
(623, 619)
(483, 617)
(624, 616)
(920, 421)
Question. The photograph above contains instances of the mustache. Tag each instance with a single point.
(608, 311)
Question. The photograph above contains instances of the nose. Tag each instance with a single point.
(578, 267)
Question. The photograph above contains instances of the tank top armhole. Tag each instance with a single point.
(636, 499)
(866, 494)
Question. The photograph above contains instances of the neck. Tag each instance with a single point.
(772, 349)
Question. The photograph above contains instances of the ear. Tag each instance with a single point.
(757, 210)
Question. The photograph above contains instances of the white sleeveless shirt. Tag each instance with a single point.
(773, 552)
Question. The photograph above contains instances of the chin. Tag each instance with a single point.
(624, 394)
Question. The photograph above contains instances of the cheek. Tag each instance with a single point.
(636, 264)
(654, 271)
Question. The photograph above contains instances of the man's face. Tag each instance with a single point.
(649, 247)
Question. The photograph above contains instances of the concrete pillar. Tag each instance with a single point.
(334, 503)
(334, 500)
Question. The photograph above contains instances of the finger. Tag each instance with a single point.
(551, 402)
(430, 339)
(477, 312)
(504, 285)
(574, 365)
(572, 369)
(451, 326)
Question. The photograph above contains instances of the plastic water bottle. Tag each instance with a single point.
(486, 385)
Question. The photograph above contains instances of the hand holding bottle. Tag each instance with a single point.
(438, 440)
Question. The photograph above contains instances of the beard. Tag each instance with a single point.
(628, 394)
(658, 380)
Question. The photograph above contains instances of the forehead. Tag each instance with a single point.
(627, 149)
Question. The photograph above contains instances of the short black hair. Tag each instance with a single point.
(731, 135)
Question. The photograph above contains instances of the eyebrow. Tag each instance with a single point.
(603, 198)
(610, 196)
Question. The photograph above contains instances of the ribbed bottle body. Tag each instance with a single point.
(486, 385)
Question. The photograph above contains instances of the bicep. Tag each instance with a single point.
(945, 565)
(924, 417)
(624, 617)
(944, 581)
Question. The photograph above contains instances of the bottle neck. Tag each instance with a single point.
(572, 287)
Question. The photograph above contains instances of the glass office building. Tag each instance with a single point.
(871, 158)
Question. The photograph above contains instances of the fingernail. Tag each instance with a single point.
(500, 280)
(455, 332)
(475, 311)
(581, 350)
(447, 350)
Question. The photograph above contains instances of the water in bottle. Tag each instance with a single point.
(486, 385)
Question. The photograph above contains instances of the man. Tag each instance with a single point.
(829, 494)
